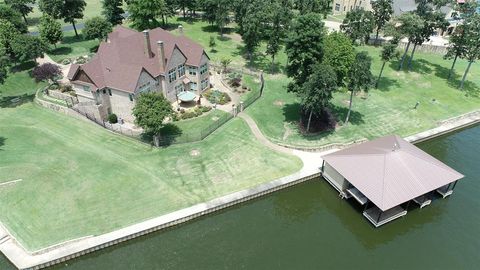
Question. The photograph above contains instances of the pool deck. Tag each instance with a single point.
(312, 161)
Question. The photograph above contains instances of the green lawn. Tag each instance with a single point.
(192, 129)
(93, 8)
(79, 179)
(19, 82)
(72, 47)
(387, 110)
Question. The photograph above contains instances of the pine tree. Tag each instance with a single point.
(112, 10)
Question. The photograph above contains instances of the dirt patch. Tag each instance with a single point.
(235, 37)
(279, 103)
(287, 132)
(195, 153)
(425, 85)
(215, 118)
(346, 102)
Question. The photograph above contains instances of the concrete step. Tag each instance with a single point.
(4, 239)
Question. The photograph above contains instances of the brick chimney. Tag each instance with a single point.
(146, 44)
(161, 54)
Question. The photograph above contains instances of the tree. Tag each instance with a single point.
(432, 20)
(144, 13)
(253, 26)
(316, 92)
(53, 8)
(456, 47)
(225, 62)
(409, 25)
(183, 5)
(472, 43)
(221, 14)
(316, 6)
(304, 48)
(359, 77)
(8, 33)
(97, 27)
(382, 12)
(358, 24)
(27, 47)
(389, 52)
(212, 43)
(68, 10)
(72, 10)
(339, 54)
(4, 65)
(22, 6)
(46, 72)
(14, 17)
(50, 30)
(112, 10)
(150, 111)
(281, 14)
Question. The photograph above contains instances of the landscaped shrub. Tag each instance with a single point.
(215, 96)
(66, 61)
(53, 86)
(112, 118)
(235, 79)
(66, 88)
(47, 72)
(205, 108)
(188, 115)
(81, 60)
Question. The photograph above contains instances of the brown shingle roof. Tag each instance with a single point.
(119, 62)
(390, 171)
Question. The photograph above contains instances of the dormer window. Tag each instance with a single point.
(172, 75)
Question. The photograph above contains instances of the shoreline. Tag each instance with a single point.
(23, 259)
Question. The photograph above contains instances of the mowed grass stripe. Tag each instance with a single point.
(79, 179)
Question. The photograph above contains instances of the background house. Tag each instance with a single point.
(130, 63)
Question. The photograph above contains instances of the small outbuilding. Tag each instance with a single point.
(385, 174)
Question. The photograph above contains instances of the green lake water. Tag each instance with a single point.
(309, 227)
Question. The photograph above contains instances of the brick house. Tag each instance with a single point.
(130, 63)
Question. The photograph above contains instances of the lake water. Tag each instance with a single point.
(309, 227)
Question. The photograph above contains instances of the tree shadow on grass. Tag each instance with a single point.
(2, 142)
(169, 135)
(14, 101)
(212, 28)
(418, 65)
(340, 112)
(291, 112)
(188, 20)
(23, 66)
(386, 84)
(61, 51)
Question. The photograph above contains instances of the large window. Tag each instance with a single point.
(181, 70)
(204, 84)
(192, 70)
(179, 88)
(193, 86)
(203, 69)
(86, 88)
(172, 75)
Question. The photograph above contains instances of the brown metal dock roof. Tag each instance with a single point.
(390, 171)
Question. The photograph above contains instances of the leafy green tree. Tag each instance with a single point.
(389, 52)
(14, 17)
(239, 10)
(4, 66)
(304, 48)
(221, 15)
(73, 10)
(279, 21)
(409, 25)
(339, 54)
(183, 5)
(97, 27)
(150, 111)
(112, 10)
(22, 6)
(359, 77)
(144, 13)
(50, 30)
(456, 47)
(316, 93)
(53, 8)
(253, 30)
(358, 24)
(209, 8)
(26, 48)
(225, 62)
(316, 6)
(432, 20)
(472, 43)
(382, 12)
(212, 43)
(8, 33)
